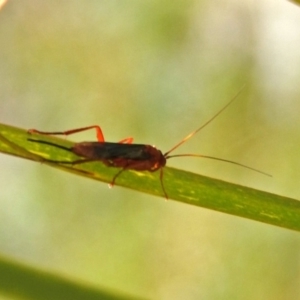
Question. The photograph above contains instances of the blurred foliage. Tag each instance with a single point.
(23, 282)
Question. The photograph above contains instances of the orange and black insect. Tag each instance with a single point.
(124, 154)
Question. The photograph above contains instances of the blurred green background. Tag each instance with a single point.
(154, 70)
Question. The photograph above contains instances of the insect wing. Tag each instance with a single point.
(111, 151)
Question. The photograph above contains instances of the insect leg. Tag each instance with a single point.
(162, 182)
(126, 167)
(100, 136)
(115, 177)
(127, 141)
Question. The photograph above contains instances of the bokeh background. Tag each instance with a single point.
(154, 70)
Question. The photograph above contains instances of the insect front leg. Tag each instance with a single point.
(126, 141)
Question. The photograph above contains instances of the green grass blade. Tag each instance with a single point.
(24, 282)
(180, 185)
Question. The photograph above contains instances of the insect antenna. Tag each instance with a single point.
(167, 156)
(206, 123)
(220, 159)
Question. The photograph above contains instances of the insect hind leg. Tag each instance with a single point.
(99, 133)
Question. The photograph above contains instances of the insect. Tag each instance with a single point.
(126, 155)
